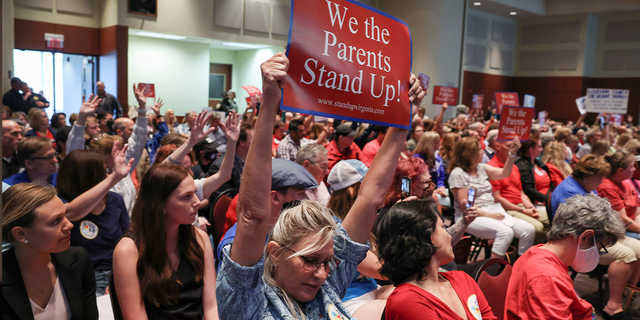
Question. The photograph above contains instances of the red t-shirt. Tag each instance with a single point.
(334, 155)
(621, 196)
(540, 288)
(49, 136)
(408, 301)
(543, 182)
(232, 216)
(510, 188)
(556, 174)
(370, 150)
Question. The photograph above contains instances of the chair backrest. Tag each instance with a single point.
(113, 295)
(493, 287)
(547, 206)
(219, 215)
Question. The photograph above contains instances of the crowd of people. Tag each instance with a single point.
(318, 223)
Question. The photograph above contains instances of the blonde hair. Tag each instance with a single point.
(554, 154)
(427, 147)
(18, 204)
(632, 146)
(309, 223)
(35, 115)
(103, 143)
(601, 147)
(562, 133)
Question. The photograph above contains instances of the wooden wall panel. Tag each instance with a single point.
(29, 35)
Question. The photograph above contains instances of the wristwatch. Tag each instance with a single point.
(511, 155)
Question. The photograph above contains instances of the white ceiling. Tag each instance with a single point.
(539, 8)
(213, 43)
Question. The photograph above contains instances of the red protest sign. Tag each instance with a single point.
(506, 99)
(348, 61)
(252, 90)
(478, 100)
(515, 122)
(150, 91)
(443, 95)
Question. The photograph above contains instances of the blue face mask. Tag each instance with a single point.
(586, 260)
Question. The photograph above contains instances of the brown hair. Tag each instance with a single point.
(80, 163)
(28, 147)
(341, 201)
(525, 146)
(619, 159)
(165, 151)
(316, 130)
(173, 138)
(426, 147)
(243, 132)
(103, 143)
(465, 150)
(562, 133)
(591, 165)
(600, 147)
(449, 141)
(622, 140)
(18, 204)
(158, 283)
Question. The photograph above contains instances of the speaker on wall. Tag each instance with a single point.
(144, 7)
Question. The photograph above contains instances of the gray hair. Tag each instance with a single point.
(546, 137)
(311, 152)
(462, 109)
(591, 132)
(476, 126)
(215, 115)
(491, 136)
(590, 212)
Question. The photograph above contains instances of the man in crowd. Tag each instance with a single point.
(313, 157)
(242, 149)
(39, 159)
(591, 137)
(228, 104)
(11, 135)
(490, 146)
(289, 146)
(342, 147)
(109, 103)
(105, 121)
(32, 99)
(13, 98)
(185, 128)
(372, 147)
(479, 128)
(508, 192)
(217, 135)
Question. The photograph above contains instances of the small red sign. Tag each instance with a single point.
(616, 118)
(348, 61)
(515, 122)
(506, 99)
(150, 91)
(443, 95)
(478, 100)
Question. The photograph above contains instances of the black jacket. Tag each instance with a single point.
(236, 174)
(11, 167)
(76, 276)
(528, 179)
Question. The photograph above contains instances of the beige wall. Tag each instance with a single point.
(53, 16)
(603, 46)
(7, 44)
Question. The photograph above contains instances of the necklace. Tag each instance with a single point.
(41, 290)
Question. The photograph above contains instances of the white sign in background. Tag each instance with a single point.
(580, 102)
(529, 101)
(607, 100)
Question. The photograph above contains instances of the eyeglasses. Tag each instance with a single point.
(49, 157)
(602, 251)
(313, 264)
(323, 167)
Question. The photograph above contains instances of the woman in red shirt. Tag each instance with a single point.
(554, 157)
(39, 122)
(413, 243)
(620, 192)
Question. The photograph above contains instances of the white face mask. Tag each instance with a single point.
(586, 260)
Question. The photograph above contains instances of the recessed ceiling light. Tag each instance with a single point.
(477, 3)
(159, 35)
(513, 13)
(243, 45)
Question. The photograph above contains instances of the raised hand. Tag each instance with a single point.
(139, 94)
(120, 167)
(231, 129)
(469, 214)
(197, 130)
(515, 146)
(156, 106)
(416, 92)
(88, 108)
(274, 75)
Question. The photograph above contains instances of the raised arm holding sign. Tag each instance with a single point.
(348, 61)
(506, 99)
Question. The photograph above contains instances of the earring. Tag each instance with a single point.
(26, 241)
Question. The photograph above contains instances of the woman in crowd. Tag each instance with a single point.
(618, 189)
(43, 278)
(540, 286)
(535, 180)
(492, 222)
(446, 151)
(601, 147)
(426, 150)
(622, 141)
(58, 120)
(363, 299)
(417, 129)
(309, 260)
(413, 243)
(39, 122)
(163, 267)
(170, 118)
(99, 231)
(622, 258)
(422, 185)
(279, 132)
(554, 158)
(632, 146)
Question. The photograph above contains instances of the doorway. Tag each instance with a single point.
(60, 77)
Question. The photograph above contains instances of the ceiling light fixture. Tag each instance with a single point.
(243, 45)
(159, 35)
(513, 13)
(477, 3)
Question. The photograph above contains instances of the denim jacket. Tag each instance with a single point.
(243, 294)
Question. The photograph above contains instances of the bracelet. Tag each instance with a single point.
(142, 110)
(512, 155)
(173, 161)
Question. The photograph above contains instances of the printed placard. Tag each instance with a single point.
(442, 94)
(150, 90)
(348, 61)
(542, 117)
(424, 80)
(515, 122)
(506, 99)
(478, 100)
(580, 103)
(529, 101)
(607, 100)
(616, 118)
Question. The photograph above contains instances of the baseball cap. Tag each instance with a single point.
(346, 173)
(287, 174)
(345, 130)
(206, 145)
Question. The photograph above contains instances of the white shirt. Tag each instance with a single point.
(57, 308)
